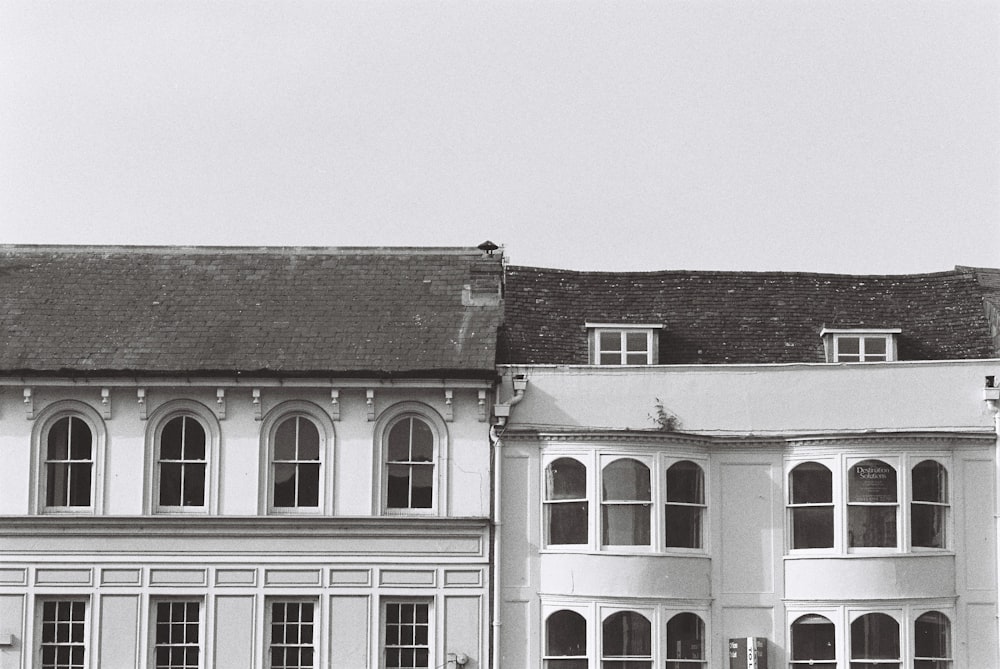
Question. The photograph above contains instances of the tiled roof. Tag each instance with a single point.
(743, 317)
(277, 311)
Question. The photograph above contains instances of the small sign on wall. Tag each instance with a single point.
(748, 652)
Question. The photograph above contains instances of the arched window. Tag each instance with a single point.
(566, 507)
(626, 503)
(685, 505)
(872, 504)
(69, 463)
(932, 641)
(875, 642)
(929, 505)
(409, 464)
(182, 463)
(814, 643)
(296, 464)
(566, 641)
(626, 641)
(810, 504)
(685, 642)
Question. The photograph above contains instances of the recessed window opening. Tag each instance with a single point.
(626, 641)
(685, 642)
(566, 506)
(410, 465)
(810, 490)
(814, 643)
(296, 464)
(182, 463)
(685, 505)
(626, 503)
(69, 463)
(566, 641)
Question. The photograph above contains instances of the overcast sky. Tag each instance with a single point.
(836, 135)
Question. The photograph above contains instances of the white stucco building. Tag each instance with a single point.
(245, 457)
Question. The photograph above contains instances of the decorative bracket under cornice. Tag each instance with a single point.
(370, 403)
(335, 403)
(258, 407)
(482, 406)
(140, 396)
(220, 403)
(449, 407)
(29, 404)
(106, 403)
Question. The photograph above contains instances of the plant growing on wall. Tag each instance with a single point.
(666, 420)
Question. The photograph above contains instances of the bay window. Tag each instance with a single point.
(566, 507)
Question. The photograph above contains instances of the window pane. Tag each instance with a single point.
(933, 636)
(567, 523)
(872, 481)
(810, 483)
(566, 664)
(566, 634)
(566, 479)
(398, 487)
(399, 441)
(308, 440)
(812, 527)
(849, 346)
(284, 485)
(683, 526)
(930, 482)
(79, 489)
(423, 487)
(284, 440)
(636, 359)
(58, 446)
(308, 485)
(194, 439)
(813, 638)
(626, 633)
(194, 484)
(423, 442)
(172, 439)
(927, 525)
(170, 484)
(610, 359)
(611, 341)
(872, 526)
(56, 480)
(685, 637)
(626, 479)
(685, 483)
(636, 342)
(81, 441)
(875, 636)
(626, 525)
(875, 346)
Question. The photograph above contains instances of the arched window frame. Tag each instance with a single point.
(585, 461)
(385, 422)
(822, 663)
(669, 653)
(792, 506)
(606, 613)
(551, 661)
(327, 436)
(158, 418)
(853, 617)
(896, 506)
(605, 504)
(44, 422)
(943, 506)
(920, 661)
(702, 507)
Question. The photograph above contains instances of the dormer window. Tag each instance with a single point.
(616, 344)
(859, 345)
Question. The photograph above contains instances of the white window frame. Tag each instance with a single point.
(585, 459)
(432, 646)
(833, 337)
(43, 423)
(327, 436)
(317, 627)
(649, 461)
(597, 330)
(596, 611)
(834, 503)
(595, 458)
(903, 460)
(156, 422)
(154, 603)
(386, 420)
(37, 641)
(547, 612)
(842, 615)
(668, 462)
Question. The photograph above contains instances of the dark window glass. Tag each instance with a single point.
(296, 467)
(932, 632)
(177, 643)
(929, 507)
(685, 641)
(69, 463)
(182, 462)
(410, 465)
(626, 503)
(685, 505)
(566, 504)
(626, 641)
(566, 641)
(814, 642)
(810, 489)
(407, 635)
(291, 635)
(872, 504)
(63, 643)
(875, 637)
